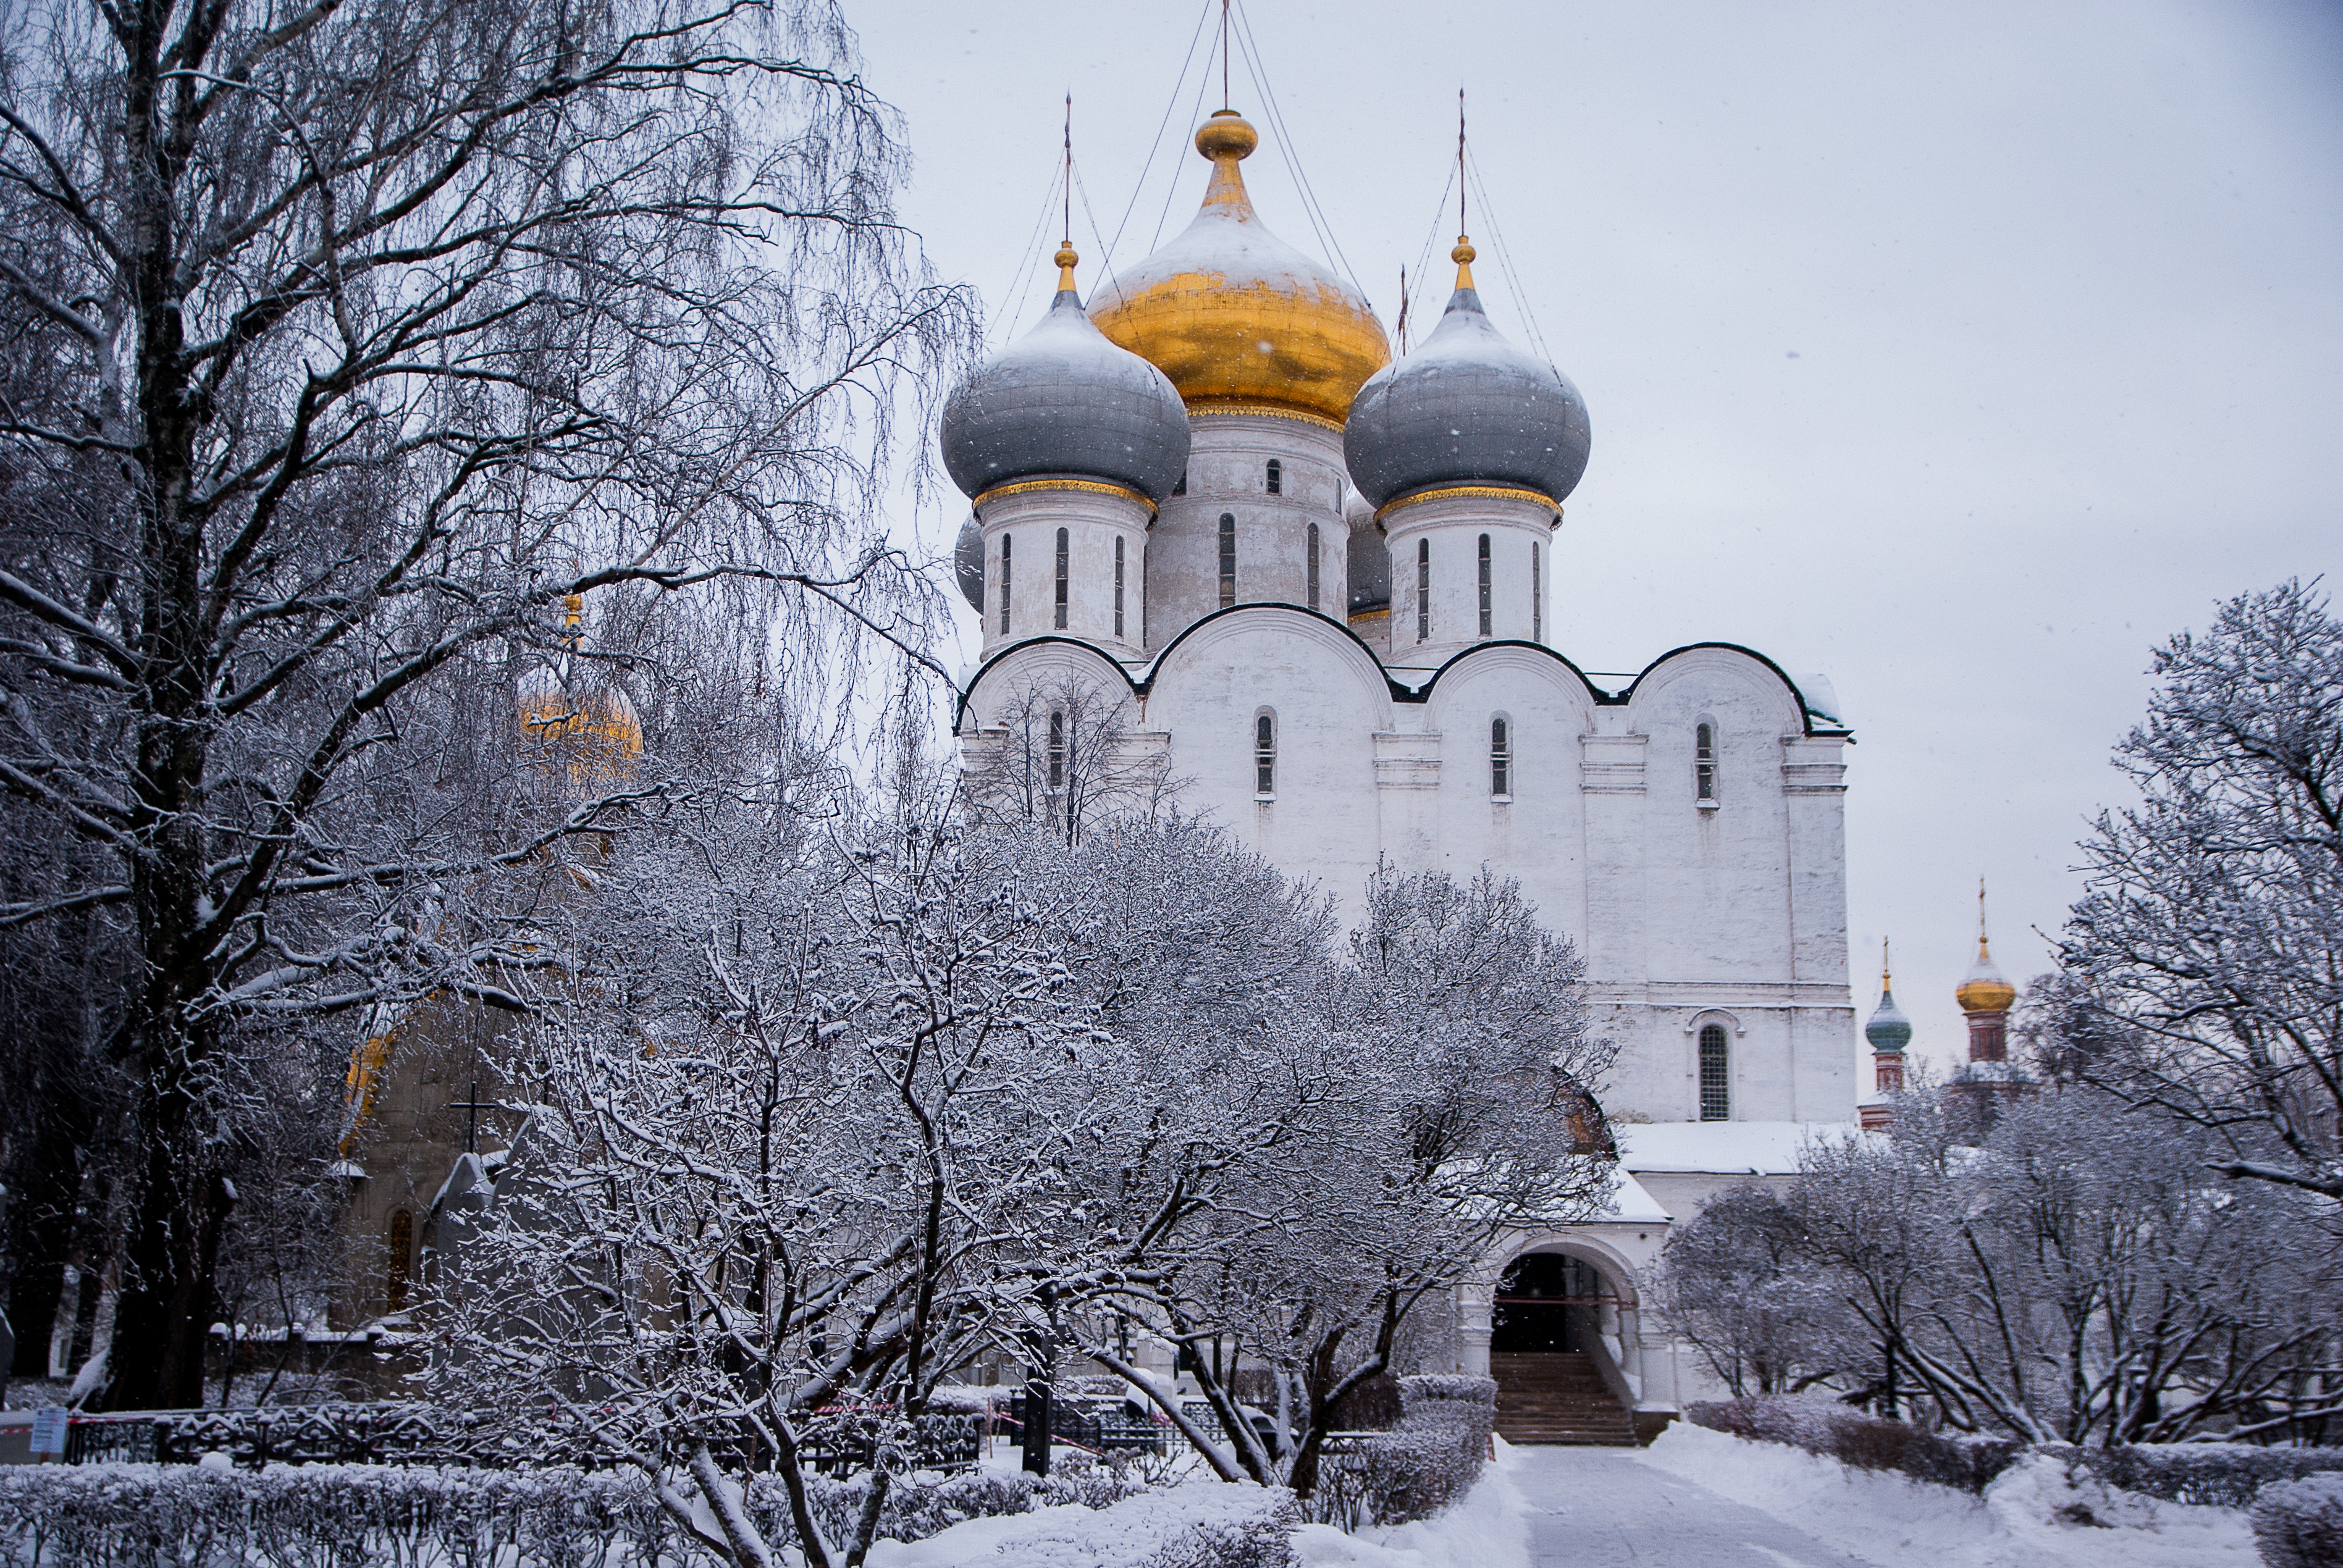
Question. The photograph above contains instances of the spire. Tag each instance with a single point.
(1066, 256)
(1464, 254)
(1982, 951)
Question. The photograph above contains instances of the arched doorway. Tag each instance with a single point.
(1554, 1372)
(1546, 1302)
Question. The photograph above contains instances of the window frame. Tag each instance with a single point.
(1705, 793)
(1488, 619)
(1274, 479)
(1423, 588)
(1056, 753)
(1228, 558)
(1313, 566)
(1117, 585)
(1503, 758)
(1264, 754)
(1064, 570)
(1005, 573)
(1715, 1088)
(1537, 594)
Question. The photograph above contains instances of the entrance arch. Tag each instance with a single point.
(1545, 1301)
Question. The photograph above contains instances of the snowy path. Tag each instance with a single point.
(1607, 1508)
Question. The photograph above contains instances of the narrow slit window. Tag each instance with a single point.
(1061, 580)
(1264, 755)
(1117, 585)
(1703, 763)
(1715, 1074)
(1501, 758)
(1423, 589)
(1537, 597)
(402, 1256)
(1313, 566)
(1057, 750)
(1142, 595)
(1484, 585)
(1004, 583)
(1228, 559)
(1276, 477)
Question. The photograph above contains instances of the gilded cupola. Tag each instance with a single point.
(1239, 320)
(1984, 990)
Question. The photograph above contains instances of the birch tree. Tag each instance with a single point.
(347, 339)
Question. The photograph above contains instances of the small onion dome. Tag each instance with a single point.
(1890, 1031)
(1062, 399)
(968, 561)
(1234, 315)
(1985, 989)
(1466, 409)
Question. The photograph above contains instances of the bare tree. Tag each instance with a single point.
(1063, 754)
(2207, 943)
(348, 339)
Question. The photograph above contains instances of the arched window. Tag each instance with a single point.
(1537, 597)
(1423, 589)
(402, 1257)
(1703, 763)
(1484, 585)
(1057, 750)
(1276, 477)
(1142, 595)
(1715, 1074)
(1228, 559)
(1004, 583)
(1117, 585)
(1313, 566)
(1501, 757)
(1061, 579)
(1264, 756)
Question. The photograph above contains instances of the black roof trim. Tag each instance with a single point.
(1142, 685)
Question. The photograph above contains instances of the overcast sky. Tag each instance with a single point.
(1959, 352)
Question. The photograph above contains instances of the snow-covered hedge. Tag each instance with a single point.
(294, 1516)
(2209, 1474)
(1428, 1461)
(2300, 1524)
(1864, 1442)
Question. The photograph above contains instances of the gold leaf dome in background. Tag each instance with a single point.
(1234, 316)
(1985, 989)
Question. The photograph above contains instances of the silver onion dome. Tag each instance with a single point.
(968, 561)
(1466, 409)
(1062, 399)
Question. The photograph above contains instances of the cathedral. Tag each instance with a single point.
(1326, 590)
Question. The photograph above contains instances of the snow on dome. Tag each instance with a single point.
(1466, 409)
(1235, 315)
(1063, 400)
(968, 561)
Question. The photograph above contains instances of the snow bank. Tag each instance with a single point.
(1203, 1524)
(2035, 1514)
(1489, 1529)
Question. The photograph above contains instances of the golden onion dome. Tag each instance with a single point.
(591, 724)
(1985, 989)
(1235, 316)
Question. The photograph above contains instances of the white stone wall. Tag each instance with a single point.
(1734, 914)
(1096, 518)
(1436, 542)
(1227, 472)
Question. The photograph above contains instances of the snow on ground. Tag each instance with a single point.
(2033, 1516)
(1488, 1529)
(1071, 1536)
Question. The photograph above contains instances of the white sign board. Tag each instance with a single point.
(48, 1434)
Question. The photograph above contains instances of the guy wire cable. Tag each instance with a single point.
(1203, 83)
(1432, 235)
(1156, 145)
(1506, 260)
(1292, 153)
(1032, 251)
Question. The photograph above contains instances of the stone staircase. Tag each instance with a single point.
(1558, 1397)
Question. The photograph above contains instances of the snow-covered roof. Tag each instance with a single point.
(1722, 1147)
(1632, 1205)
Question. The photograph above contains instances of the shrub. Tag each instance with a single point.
(1427, 1462)
(2300, 1524)
(2209, 1474)
(325, 1515)
(1863, 1441)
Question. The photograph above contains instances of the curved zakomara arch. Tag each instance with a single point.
(1587, 1248)
(1138, 685)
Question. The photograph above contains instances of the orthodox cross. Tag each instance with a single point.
(471, 1108)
